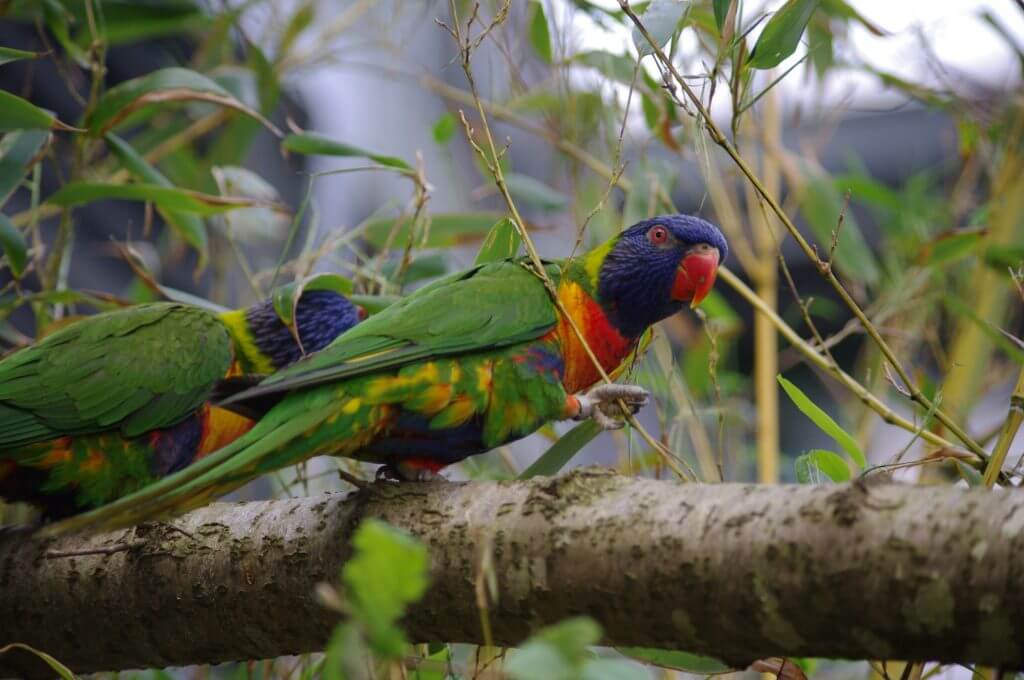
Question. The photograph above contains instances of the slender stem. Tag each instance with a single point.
(1013, 422)
(823, 267)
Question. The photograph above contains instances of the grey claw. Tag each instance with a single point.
(602, 404)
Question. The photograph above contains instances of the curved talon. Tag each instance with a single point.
(418, 473)
(399, 473)
(387, 473)
(602, 404)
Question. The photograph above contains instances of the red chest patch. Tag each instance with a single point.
(608, 345)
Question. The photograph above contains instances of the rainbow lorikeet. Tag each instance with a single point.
(115, 401)
(463, 365)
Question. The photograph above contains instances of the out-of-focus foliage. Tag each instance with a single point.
(600, 135)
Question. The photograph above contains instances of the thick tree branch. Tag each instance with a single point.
(739, 572)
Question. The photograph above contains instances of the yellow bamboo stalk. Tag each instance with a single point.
(971, 354)
(1013, 422)
(766, 284)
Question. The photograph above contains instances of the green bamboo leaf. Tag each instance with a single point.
(76, 193)
(60, 669)
(561, 452)
(374, 303)
(176, 295)
(968, 474)
(1002, 256)
(286, 298)
(843, 9)
(781, 35)
(300, 20)
(19, 114)
(864, 188)
(159, 87)
(14, 247)
(266, 223)
(125, 21)
(995, 334)
(56, 17)
(502, 242)
(387, 573)
(721, 8)
(422, 268)
(680, 661)
(661, 19)
(953, 245)
(9, 54)
(534, 192)
(10, 303)
(612, 66)
(311, 143)
(821, 205)
(444, 128)
(446, 229)
(828, 462)
(556, 651)
(540, 37)
(824, 422)
(17, 150)
(189, 226)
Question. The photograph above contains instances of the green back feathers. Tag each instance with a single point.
(133, 370)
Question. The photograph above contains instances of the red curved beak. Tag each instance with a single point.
(695, 275)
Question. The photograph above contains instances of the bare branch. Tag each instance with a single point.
(734, 571)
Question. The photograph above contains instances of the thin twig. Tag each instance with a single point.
(105, 550)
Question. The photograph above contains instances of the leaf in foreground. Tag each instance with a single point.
(781, 35)
(828, 462)
(60, 669)
(824, 421)
(286, 298)
(502, 242)
(387, 573)
(561, 452)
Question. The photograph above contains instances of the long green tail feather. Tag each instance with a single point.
(134, 507)
(231, 472)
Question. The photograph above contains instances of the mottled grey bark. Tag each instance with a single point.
(738, 572)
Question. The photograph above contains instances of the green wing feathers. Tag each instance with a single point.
(487, 307)
(134, 370)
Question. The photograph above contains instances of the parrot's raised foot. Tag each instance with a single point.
(387, 473)
(602, 404)
(403, 472)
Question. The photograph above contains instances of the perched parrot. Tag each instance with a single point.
(113, 402)
(465, 364)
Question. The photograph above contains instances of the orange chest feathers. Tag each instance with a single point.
(220, 428)
(608, 345)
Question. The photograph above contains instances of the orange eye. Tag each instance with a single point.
(658, 235)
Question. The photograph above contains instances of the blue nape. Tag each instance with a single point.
(321, 316)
